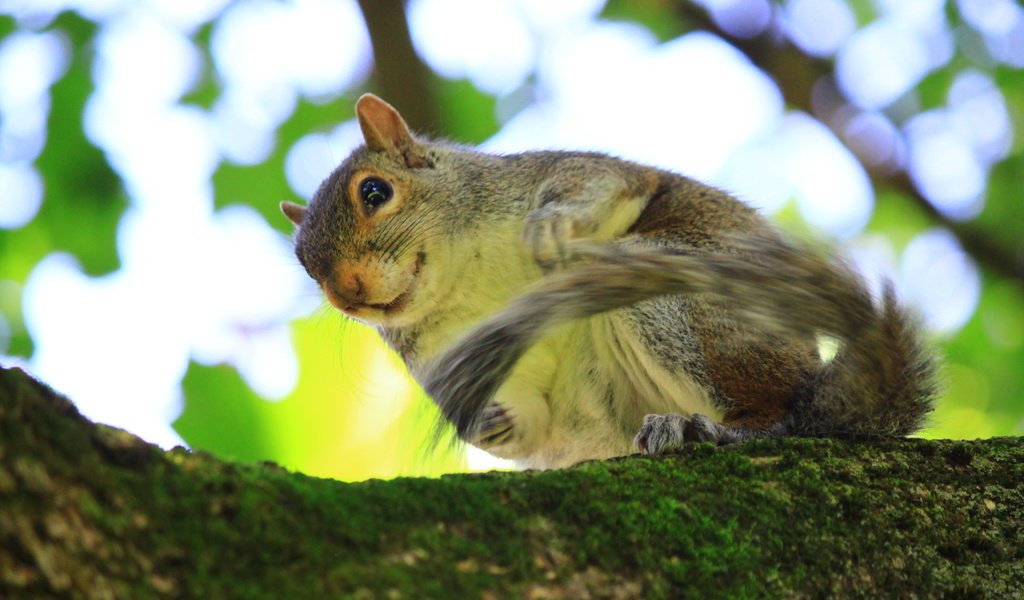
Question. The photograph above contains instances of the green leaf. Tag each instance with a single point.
(223, 415)
(661, 17)
(1003, 215)
(982, 370)
(467, 114)
(864, 11)
(7, 26)
(206, 89)
(934, 88)
(897, 217)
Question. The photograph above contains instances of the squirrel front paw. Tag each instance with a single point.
(549, 230)
(661, 433)
(495, 427)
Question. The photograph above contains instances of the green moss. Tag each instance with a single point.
(93, 512)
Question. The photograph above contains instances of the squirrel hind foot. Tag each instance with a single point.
(661, 433)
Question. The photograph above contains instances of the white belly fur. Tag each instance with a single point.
(559, 393)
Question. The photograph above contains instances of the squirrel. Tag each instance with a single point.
(562, 306)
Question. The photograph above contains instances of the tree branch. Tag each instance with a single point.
(89, 511)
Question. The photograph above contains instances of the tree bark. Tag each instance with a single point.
(88, 511)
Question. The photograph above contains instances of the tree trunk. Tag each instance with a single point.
(88, 511)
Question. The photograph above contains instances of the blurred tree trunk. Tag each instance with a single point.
(400, 76)
(88, 511)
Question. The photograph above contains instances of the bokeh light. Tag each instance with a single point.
(23, 194)
(819, 27)
(940, 280)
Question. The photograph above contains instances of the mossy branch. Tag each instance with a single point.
(88, 511)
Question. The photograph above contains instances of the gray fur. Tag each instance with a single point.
(880, 383)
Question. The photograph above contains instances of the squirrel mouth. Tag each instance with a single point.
(400, 301)
(396, 304)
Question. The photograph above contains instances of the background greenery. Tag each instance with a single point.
(337, 422)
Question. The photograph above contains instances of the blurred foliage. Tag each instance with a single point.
(263, 186)
(354, 413)
(312, 430)
(656, 15)
(84, 199)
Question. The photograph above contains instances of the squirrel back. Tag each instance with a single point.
(560, 306)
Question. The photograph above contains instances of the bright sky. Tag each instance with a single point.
(224, 285)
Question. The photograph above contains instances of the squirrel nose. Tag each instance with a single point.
(346, 290)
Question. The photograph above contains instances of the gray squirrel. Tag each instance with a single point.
(565, 306)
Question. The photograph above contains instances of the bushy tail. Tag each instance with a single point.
(881, 382)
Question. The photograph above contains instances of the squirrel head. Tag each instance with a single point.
(369, 230)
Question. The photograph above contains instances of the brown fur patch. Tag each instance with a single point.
(696, 215)
(759, 374)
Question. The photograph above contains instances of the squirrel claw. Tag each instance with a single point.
(495, 428)
(661, 433)
(548, 234)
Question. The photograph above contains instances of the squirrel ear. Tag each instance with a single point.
(293, 211)
(383, 128)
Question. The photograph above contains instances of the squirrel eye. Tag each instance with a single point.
(374, 192)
